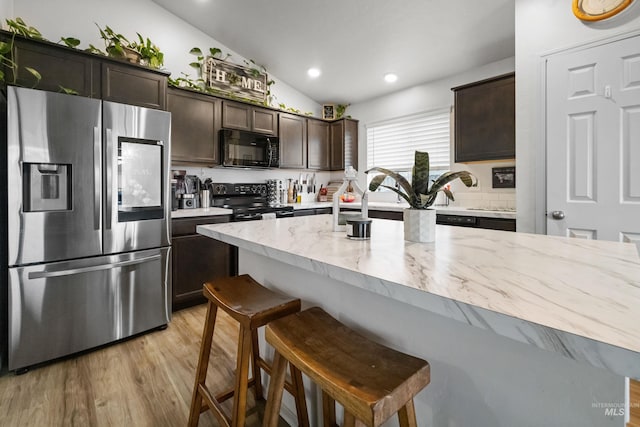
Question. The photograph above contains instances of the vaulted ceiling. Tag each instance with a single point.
(356, 42)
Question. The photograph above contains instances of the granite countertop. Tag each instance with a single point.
(191, 213)
(573, 296)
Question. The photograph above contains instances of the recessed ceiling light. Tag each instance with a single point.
(313, 72)
(390, 77)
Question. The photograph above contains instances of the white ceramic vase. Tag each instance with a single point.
(419, 225)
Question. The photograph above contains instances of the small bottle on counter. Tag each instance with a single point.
(290, 193)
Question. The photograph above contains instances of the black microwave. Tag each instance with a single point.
(247, 149)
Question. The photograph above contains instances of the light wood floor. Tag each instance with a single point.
(145, 381)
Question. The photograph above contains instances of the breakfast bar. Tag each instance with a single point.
(515, 326)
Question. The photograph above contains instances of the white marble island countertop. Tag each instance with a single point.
(576, 297)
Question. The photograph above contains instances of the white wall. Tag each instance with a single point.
(174, 36)
(6, 10)
(543, 27)
(430, 96)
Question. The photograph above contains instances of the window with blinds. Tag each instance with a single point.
(391, 144)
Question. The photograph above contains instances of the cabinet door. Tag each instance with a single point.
(265, 121)
(351, 143)
(319, 144)
(485, 120)
(236, 116)
(293, 141)
(195, 125)
(58, 67)
(337, 145)
(496, 224)
(196, 260)
(134, 86)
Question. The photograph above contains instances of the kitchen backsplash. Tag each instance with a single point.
(232, 175)
(482, 196)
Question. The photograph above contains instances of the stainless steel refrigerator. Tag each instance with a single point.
(87, 223)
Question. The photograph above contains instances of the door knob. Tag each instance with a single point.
(557, 215)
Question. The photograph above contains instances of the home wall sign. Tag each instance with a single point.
(236, 80)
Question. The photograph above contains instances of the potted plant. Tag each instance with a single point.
(117, 45)
(419, 220)
(150, 53)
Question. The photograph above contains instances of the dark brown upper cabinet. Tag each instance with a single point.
(293, 141)
(319, 144)
(484, 124)
(248, 117)
(195, 126)
(131, 85)
(337, 145)
(66, 69)
(59, 68)
(344, 144)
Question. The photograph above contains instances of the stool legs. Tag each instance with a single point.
(298, 394)
(242, 375)
(328, 410)
(255, 366)
(407, 415)
(203, 364)
(276, 387)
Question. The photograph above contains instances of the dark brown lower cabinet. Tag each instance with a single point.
(394, 215)
(197, 259)
(496, 224)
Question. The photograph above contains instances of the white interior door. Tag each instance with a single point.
(593, 142)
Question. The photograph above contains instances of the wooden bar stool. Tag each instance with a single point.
(372, 382)
(253, 306)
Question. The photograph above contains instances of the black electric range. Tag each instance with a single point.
(248, 201)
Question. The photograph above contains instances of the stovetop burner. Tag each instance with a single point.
(248, 201)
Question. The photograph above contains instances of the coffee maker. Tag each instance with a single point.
(187, 190)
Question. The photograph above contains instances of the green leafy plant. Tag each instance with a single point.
(419, 194)
(67, 90)
(340, 110)
(70, 41)
(186, 81)
(7, 61)
(18, 26)
(213, 51)
(149, 52)
(116, 45)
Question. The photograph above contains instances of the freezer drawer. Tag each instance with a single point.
(61, 308)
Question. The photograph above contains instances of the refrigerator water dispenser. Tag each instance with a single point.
(46, 187)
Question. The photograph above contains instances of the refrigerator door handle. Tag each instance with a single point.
(97, 178)
(72, 271)
(108, 178)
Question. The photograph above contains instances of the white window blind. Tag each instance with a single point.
(391, 144)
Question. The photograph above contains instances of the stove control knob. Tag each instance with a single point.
(220, 189)
(254, 189)
(263, 189)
